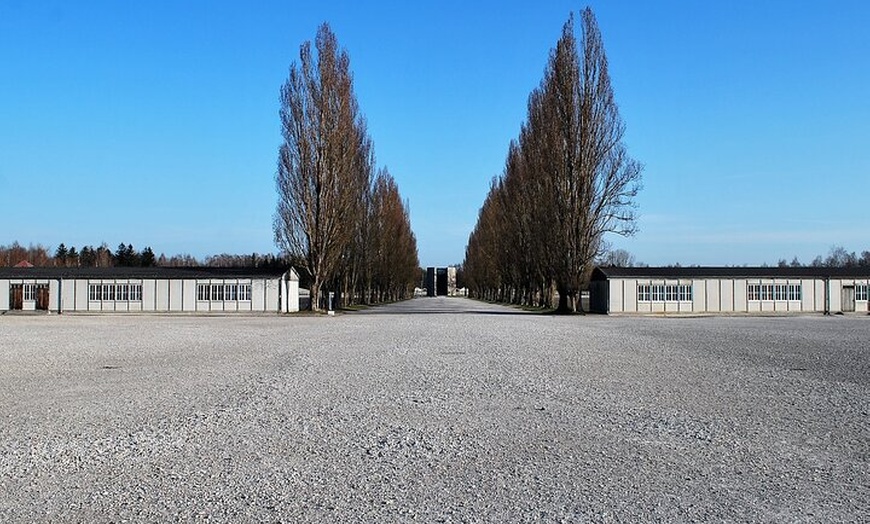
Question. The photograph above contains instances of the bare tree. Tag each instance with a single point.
(322, 160)
(15, 253)
(839, 257)
(587, 180)
(618, 258)
(392, 247)
(567, 182)
(608, 178)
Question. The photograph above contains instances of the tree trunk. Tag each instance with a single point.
(564, 301)
(314, 304)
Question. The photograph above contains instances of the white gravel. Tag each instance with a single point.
(434, 410)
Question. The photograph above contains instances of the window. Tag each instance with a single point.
(686, 293)
(29, 292)
(664, 292)
(115, 292)
(643, 293)
(752, 291)
(862, 292)
(773, 292)
(221, 292)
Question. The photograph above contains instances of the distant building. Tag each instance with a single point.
(451, 281)
(430, 282)
(440, 281)
(153, 289)
(729, 290)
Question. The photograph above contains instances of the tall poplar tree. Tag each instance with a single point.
(324, 162)
(567, 182)
(609, 179)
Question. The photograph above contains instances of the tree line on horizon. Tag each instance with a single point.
(838, 256)
(125, 255)
(341, 219)
(567, 181)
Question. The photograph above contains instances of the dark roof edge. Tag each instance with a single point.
(602, 273)
(143, 272)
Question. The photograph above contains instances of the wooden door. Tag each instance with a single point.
(16, 296)
(848, 299)
(42, 298)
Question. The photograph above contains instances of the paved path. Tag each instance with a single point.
(434, 410)
(443, 305)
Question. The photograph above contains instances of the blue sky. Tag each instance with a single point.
(156, 123)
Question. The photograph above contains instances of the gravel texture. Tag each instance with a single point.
(434, 410)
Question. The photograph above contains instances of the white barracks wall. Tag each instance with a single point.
(731, 295)
(158, 295)
(269, 294)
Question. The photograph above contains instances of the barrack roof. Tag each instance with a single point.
(143, 272)
(603, 273)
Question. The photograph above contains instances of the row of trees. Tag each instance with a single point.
(127, 256)
(88, 256)
(838, 256)
(567, 181)
(346, 224)
(38, 255)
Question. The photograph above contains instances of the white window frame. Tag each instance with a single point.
(665, 292)
(124, 292)
(758, 292)
(210, 292)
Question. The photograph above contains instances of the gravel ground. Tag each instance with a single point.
(434, 410)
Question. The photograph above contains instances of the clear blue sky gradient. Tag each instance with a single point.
(156, 123)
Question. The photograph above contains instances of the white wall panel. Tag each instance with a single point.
(617, 289)
(713, 299)
(161, 291)
(4, 295)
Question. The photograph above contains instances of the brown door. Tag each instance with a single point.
(42, 298)
(16, 296)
